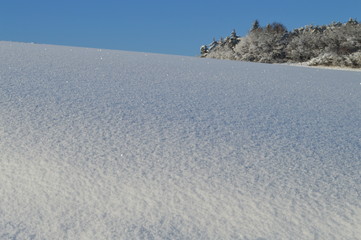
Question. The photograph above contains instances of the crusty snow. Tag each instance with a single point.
(100, 144)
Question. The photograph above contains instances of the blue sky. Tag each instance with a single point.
(171, 27)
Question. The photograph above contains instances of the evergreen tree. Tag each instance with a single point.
(255, 25)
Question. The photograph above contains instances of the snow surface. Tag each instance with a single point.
(100, 144)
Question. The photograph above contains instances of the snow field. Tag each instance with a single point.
(100, 144)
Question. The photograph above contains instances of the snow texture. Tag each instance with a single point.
(100, 144)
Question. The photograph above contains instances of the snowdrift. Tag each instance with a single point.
(100, 144)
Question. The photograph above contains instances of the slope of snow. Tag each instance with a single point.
(99, 144)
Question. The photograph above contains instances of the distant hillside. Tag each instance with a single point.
(336, 44)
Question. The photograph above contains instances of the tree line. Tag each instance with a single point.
(336, 44)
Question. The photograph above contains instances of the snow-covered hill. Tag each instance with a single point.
(99, 144)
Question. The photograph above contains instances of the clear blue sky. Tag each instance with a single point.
(160, 26)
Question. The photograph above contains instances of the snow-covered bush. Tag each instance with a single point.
(332, 59)
(222, 52)
(326, 59)
(355, 59)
